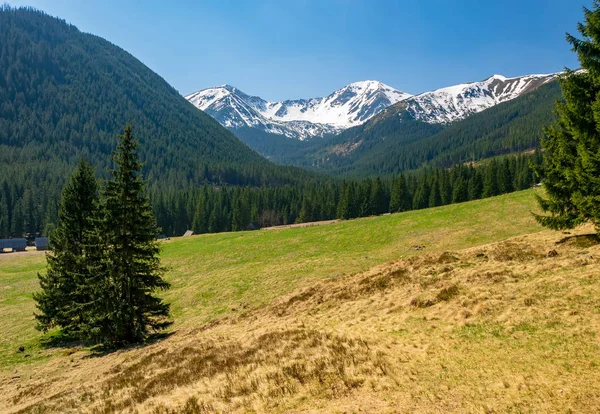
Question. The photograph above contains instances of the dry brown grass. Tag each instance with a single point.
(497, 328)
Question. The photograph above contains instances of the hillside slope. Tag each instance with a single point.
(269, 321)
(65, 94)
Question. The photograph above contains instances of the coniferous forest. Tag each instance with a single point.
(211, 209)
(65, 95)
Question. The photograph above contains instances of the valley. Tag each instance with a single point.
(271, 321)
(366, 250)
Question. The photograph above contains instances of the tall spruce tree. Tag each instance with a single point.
(398, 195)
(379, 202)
(572, 145)
(461, 191)
(134, 269)
(67, 294)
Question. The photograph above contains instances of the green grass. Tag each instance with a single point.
(214, 275)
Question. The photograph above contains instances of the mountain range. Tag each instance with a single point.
(393, 141)
(354, 129)
(302, 118)
(355, 104)
(454, 103)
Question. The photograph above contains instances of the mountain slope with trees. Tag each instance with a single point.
(65, 94)
(392, 142)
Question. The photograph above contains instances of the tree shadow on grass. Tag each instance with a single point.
(61, 340)
(100, 350)
(582, 241)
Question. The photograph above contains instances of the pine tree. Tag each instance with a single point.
(572, 145)
(17, 222)
(346, 209)
(379, 202)
(475, 184)
(401, 199)
(435, 197)
(4, 222)
(200, 222)
(240, 215)
(421, 197)
(446, 189)
(396, 194)
(460, 192)
(134, 269)
(505, 180)
(67, 293)
(490, 183)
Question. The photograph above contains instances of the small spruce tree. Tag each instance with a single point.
(67, 295)
(379, 202)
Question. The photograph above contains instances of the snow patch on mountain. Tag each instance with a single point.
(457, 102)
(303, 118)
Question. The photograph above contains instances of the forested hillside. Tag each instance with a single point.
(65, 95)
(392, 142)
(212, 210)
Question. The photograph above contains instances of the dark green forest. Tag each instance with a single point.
(65, 95)
(211, 209)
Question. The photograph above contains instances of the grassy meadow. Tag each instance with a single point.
(453, 309)
(215, 274)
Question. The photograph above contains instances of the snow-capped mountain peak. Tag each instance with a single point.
(456, 102)
(351, 105)
(358, 102)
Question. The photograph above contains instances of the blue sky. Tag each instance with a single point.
(284, 49)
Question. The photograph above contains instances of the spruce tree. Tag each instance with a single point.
(305, 214)
(422, 193)
(364, 207)
(4, 223)
(200, 222)
(346, 208)
(134, 269)
(435, 197)
(405, 195)
(505, 179)
(379, 201)
(572, 145)
(240, 215)
(475, 184)
(490, 183)
(67, 294)
(396, 194)
(460, 192)
(446, 189)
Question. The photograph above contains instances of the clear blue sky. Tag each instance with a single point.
(283, 49)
